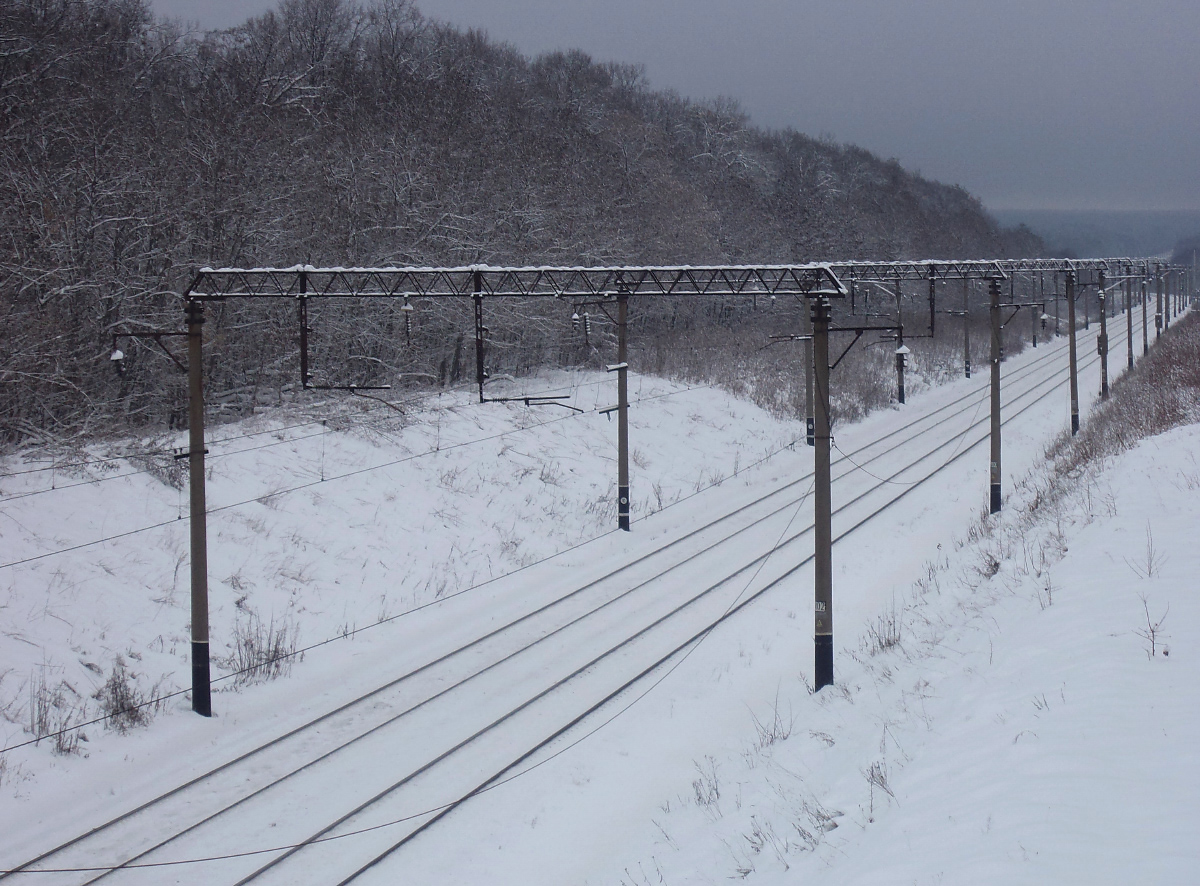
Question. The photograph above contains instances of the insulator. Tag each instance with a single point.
(408, 312)
(587, 325)
(575, 321)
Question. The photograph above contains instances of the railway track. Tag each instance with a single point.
(601, 637)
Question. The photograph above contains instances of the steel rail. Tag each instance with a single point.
(446, 809)
(1024, 372)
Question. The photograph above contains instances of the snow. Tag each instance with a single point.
(1018, 732)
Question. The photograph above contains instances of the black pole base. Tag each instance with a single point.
(823, 644)
(1074, 424)
(201, 697)
(900, 396)
(995, 498)
(623, 508)
(968, 370)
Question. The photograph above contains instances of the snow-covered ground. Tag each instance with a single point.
(1017, 722)
(1020, 731)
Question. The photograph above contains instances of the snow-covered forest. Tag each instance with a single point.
(338, 133)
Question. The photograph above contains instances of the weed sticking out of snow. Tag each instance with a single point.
(123, 705)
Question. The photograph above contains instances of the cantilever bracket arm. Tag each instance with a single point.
(1016, 306)
(351, 388)
(858, 333)
(157, 336)
(537, 400)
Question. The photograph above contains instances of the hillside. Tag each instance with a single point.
(338, 134)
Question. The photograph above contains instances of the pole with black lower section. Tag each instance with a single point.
(305, 375)
(807, 353)
(1145, 322)
(1158, 302)
(201, 698)
(900, 349)
(967, 326)
(622, 412)
(995, 313)
(480, 332)
(932, 303)
(822, 502)
(1129, 315)
(1057, 309)
(1166, 299)
(1087, 311)
(1072, 356)
(1102, 341)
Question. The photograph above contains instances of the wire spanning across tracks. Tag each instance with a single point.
(662, 633)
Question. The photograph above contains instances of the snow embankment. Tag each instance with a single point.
(1026, 713)
(321, 523)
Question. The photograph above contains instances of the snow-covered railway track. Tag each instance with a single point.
(609, 632)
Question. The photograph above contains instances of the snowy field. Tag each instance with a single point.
(997, 716)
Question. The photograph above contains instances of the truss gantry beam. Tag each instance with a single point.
(1063, 265)
(971, 269)
(820, 279)
(811, 281)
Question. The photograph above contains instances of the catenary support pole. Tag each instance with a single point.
(480, 332)
(1102, 341)
(1166, 300)
(932, 303)
(1057, 312)
(822, 503)
(622, 411)
(1145, 322)
(1042, 298)
(1158, 302)
(967, 325)
(806, 353)
(1087, 308)
(1071, 352)
(201, 698)
(305, 376)
(994, 289)
(1129, 316)
(899, 346)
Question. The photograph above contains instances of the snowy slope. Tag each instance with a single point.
(1021, 731)
(401, 534)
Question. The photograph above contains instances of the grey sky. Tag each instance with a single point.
(1071, 104)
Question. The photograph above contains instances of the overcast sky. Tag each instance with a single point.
(1030, 104)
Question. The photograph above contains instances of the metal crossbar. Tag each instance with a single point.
(813, 280)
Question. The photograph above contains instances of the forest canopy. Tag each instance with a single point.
(331, 132)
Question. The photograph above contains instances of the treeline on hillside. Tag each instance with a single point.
(332, 133)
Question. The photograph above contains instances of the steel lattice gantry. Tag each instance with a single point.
(812, 279)
(815, 282)
(809, 280)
